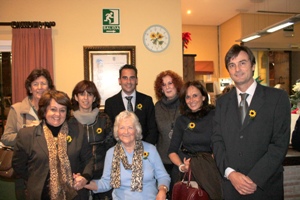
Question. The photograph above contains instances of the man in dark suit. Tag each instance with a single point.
(141, 104)
(249, 152)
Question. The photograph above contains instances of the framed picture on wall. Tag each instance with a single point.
(102, 64)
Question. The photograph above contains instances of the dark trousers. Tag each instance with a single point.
(103, 196)
(20, 189)
(174, 178)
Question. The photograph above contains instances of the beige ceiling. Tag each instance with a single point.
(216, 12)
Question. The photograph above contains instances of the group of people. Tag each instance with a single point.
(138, 150)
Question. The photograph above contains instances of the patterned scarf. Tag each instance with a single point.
(61, 180)
(136, 166)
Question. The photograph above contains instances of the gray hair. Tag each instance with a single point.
(131, 116)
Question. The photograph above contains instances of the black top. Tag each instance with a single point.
(296, 135)
(197, 139)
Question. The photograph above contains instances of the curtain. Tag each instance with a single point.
(31, 49)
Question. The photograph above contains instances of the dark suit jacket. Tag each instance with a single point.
(258, 148)
(296, 135)
(31, 158)
(114, 105)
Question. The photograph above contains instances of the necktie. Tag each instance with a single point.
(129, 104)
(243, 106)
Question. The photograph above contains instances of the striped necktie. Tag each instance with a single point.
(129, 104)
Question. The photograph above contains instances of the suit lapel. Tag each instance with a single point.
(40, 138)
(119, 103)
(256, 103)
(138, 100)
(232, 110)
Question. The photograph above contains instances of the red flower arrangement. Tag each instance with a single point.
(186, 38)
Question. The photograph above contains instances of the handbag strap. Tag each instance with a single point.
(189, 175)
(24, 120)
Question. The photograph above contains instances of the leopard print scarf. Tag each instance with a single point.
(61, 180)
(136, 166)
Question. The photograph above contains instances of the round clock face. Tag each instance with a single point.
(156, 38)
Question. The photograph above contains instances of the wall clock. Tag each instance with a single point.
(156, 38)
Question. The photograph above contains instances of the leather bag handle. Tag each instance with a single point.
(189, 175)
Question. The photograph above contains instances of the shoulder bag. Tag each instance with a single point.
(6, 170)
(6, 154)
(188, 190)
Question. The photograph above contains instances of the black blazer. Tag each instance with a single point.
(258, 148)
(31, 157)
(144, 110)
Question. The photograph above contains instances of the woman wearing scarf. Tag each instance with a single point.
(97, 126)
(133, 168)
(24, 114)
(167, 86)
(46, 155)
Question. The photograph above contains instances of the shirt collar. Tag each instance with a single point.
(125, 95)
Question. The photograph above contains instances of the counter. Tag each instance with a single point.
(292, 157)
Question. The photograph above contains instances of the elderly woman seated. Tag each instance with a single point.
(133, 168)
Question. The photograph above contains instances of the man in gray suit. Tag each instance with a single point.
(250, 141)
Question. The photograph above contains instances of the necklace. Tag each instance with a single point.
(172, 124)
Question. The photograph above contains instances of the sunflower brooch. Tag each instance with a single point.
(69, 139)
(139, 106)
(99, 130)
(252, 114)
(145, 155)
(191, 126)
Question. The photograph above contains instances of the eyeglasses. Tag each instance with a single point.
(241, 64)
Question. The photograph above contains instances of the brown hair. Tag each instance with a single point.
(234, 52)
(60, 97)
(35, 74)
(184, 109)
(90, 87)
(176, 79)
(228, 88)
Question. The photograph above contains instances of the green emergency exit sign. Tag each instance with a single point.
(111, 21)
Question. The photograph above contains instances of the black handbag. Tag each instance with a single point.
(188, 190)
(6, 170)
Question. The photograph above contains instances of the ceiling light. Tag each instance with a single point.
(281, 26)
(247, 39)
(189, 12)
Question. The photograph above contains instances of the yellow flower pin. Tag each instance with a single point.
(139, 106)
(69, 139)
(145, 155)
(252, 114)
(191, 125)
(99, 130)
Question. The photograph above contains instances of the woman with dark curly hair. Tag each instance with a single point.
(191, 144)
